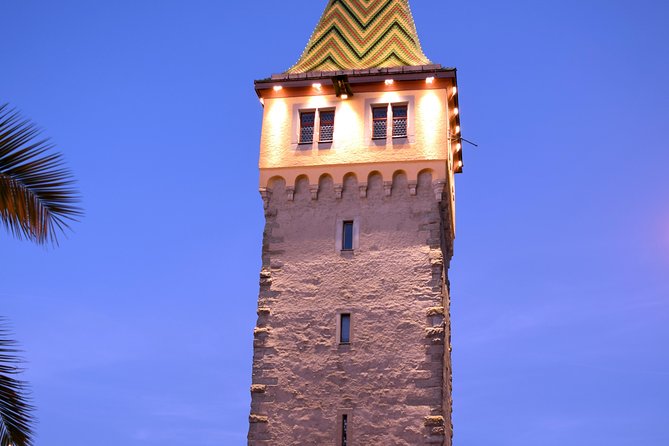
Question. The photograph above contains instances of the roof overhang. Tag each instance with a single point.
(355, 77)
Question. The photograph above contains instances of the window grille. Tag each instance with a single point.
(399, 121)
(380, 122)
(326, 125)
(307, 120)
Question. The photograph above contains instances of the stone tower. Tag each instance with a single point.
(360, 144)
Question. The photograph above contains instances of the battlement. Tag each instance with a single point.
(401, 182)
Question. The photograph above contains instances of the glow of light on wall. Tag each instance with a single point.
(317, 101)
(276, 130)
(347, 127)
(429, 117)
(390, 96)
(278, 88)
(278, 112)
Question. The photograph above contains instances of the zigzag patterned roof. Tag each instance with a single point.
(361, 34)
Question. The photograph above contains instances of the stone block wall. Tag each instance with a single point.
(394, 378)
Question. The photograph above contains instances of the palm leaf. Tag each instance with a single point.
(16, 417)
(37, 198)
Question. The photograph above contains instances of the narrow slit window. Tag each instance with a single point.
(344, 430)
(345, 328)
(380, 122)
(347, 236)
(399, 121)
(326, 125)
(307, 120)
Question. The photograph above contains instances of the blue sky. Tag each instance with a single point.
(138, 328)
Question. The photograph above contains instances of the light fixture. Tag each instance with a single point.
(455, 91)
(262, 101)
(278, 88)
(460, 164)
(458, 147)
(390, 81)
(429, 80)
(456, 112)
(344, 97)
(317, 86)
(457, 129)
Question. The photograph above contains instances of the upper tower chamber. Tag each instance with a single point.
(359, 149)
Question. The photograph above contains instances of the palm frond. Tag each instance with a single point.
(16, 414)
(37, 197)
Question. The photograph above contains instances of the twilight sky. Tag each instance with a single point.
(138, 328)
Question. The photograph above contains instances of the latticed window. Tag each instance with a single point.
(326, 125)
(399, 121)
(380, 122)
(307, 121)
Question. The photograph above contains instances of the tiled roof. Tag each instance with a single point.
(362, 34)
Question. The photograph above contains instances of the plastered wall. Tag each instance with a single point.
(352, 146)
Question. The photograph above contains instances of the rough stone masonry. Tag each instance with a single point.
(393, 380)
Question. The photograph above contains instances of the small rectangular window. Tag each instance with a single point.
(399, 121)
(380, 122)
(347, 236)
(307, 120)
(326, 125)
(345, 328)
(344, 430)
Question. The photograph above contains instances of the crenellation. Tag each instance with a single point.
(313, 189)
(387, 188)
(265, 194)
(397, 187)
(290, 193)
(412, 187)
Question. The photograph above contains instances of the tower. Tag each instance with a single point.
(360, 144)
